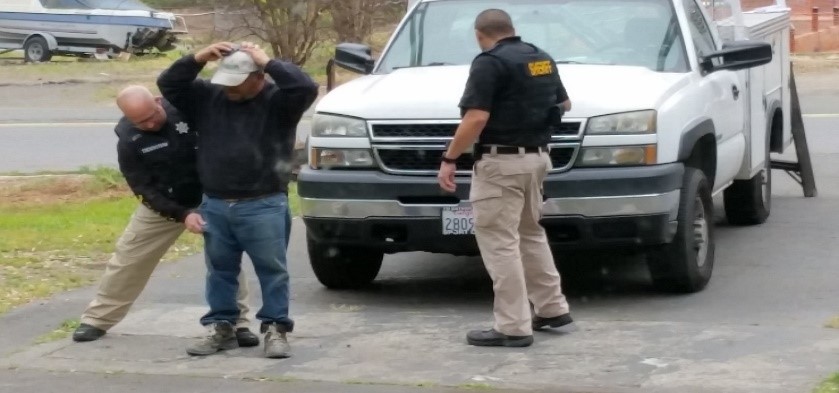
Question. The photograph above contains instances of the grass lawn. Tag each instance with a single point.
(141, 69)
(57, 233)
(831, 385)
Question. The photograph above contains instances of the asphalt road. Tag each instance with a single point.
(28, 147)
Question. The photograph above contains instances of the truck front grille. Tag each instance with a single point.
(426, 160)
(413, 147)
(443, 130)
(414, 130)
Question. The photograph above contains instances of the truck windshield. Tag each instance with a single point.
(610, 32)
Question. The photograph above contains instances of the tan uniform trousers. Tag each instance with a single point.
(506, 196)
(138, 251)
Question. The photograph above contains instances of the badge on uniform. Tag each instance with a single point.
(540, 68)
(182, 128)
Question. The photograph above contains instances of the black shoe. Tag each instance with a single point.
(246, 338)
(491, 338)
(85, 333)
(540, 323)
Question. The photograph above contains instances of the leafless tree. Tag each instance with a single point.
(289, 27)
(353, 20)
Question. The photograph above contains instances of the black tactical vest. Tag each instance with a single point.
(525, 103)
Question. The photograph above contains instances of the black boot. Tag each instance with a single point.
(492, 338)
(246, 338)
(540, 323)
(85, 333)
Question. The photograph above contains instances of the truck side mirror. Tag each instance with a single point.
(357, 58)
(738, 55)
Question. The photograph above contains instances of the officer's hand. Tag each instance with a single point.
(195, 223)
(259, 56)
(446, 177)
(213, 52)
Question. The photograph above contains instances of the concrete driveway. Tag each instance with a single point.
(758, 327)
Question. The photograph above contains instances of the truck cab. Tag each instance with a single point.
(673, 102)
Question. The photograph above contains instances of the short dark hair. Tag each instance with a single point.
(494, 23)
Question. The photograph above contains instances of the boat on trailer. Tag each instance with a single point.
(43, 28)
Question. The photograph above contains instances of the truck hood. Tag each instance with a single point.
(434, 92)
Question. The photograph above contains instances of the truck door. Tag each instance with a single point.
(726, 94)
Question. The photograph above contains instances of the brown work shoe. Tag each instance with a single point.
(276, 342)
(221, 336)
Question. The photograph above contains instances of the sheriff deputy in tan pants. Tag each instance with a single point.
(156, 152)
(512, 97)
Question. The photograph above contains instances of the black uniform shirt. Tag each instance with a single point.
(488, 82)
(160, 167)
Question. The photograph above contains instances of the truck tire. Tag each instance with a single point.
(343, 267)
(36, 50)
(685, 264)
(748, 202)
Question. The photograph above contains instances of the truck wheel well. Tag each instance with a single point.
(704, 157)
(776, 132)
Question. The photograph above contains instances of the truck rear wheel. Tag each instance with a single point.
(748, 202)
(343, 267)
(36, 50)
(685, 265)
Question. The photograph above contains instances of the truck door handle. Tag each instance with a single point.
(735, 92)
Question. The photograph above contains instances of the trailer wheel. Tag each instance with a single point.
(36, 50)
(685, 265)
(343, 267)
(748, 202)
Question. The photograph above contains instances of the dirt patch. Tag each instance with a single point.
(50, 189)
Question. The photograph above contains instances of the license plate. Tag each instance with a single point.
(458, 221)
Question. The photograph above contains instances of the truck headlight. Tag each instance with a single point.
(331, 125)
(324, 158)
(617, 156)
(641, 122)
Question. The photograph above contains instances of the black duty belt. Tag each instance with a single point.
(514, 149)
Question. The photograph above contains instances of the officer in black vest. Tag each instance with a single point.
(156, 153)
(512, 99)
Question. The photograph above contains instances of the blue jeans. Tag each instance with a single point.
(262, 229)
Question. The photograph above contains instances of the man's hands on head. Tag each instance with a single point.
(214, 52)
(218, 50)
(258, 54)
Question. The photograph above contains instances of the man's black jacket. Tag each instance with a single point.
(245, 148)
(160, 167)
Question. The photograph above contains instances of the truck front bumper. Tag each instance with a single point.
(584, 208)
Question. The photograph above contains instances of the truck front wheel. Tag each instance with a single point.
(343, 267)
(685, 265)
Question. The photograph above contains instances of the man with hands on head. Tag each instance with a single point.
(245, 152)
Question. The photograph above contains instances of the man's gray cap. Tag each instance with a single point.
(234, 68)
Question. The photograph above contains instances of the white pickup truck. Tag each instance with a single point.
(674, 102)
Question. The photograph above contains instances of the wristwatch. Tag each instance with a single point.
(448, 160)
